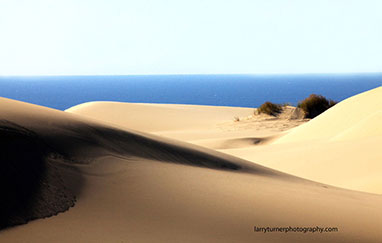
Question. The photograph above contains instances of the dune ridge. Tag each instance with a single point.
(33, 147)
(362, 110)
(339, 147)
(344, 140)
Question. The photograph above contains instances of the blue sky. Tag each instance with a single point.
(92, 37)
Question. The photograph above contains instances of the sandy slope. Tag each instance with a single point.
(136, 187)
(340, 147)
(191, 123)
(159, 117)
(356, 117)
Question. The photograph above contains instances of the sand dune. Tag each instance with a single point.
(340, 147)
(134, 186)
(158, 117)
(191, 123)
(342, 141)
(360, 112)
(367, 127)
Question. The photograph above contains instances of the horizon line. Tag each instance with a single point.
(187, 74)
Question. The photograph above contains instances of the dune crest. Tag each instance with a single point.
(362, 110)
(339, 147)
(37, 142)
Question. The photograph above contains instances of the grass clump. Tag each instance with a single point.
(270, 108)
(314, 105)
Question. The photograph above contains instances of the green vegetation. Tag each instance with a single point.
(270, 108)
(315, 105)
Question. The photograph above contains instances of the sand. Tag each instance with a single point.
(118, 172)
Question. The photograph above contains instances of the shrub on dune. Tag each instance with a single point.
(314, 105)
(270, 108)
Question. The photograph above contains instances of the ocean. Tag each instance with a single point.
(62, 92)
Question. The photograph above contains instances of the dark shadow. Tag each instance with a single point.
(30, 188)
(127, 144)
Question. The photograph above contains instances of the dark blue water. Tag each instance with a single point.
(62, 92)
